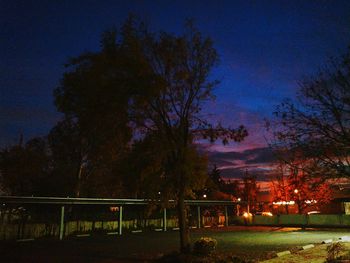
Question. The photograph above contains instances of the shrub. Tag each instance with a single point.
(205, 246)
(333, 251)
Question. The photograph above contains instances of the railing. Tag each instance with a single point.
(35, 217)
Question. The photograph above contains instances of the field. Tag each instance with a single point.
(249, 242)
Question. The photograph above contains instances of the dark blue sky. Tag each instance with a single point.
(265, 47)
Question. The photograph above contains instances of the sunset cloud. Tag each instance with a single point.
(234, 164)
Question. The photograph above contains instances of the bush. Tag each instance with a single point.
(205, 246)
(333, 251)
(345, 257)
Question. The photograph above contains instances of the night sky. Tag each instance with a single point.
(265, 48)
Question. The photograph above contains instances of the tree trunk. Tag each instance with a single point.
(185, 245)
(300, 209)
(287, 209)
(79, 179)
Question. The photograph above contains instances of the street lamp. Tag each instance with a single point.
(237, 206)
(296, 191)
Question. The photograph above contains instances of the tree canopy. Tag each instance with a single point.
(132, 120)
(143, 93)
(296, 181)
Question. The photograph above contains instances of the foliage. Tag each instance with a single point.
(250, 190)
(68, 155)
(215, 177)
(217, 188)
(174, 74)
(292, 181)
(74, 162)
(142, 93)
(94, 96)
(55, 165)
(333, 251)
(232, 188)
(280, 187)
(25, 168)
(145, 176)
(343, 258)
(204, 246)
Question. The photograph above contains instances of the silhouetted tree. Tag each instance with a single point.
(25, 169)
(68, 154)
(151, 87)
(250, 190)
(180, 66)
(146, 174)
(231, 187)
(95, 95)
(215, 177)
(318, 123)
(222, 189)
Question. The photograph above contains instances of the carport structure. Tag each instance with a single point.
(120, 203)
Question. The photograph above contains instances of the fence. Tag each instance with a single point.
(38, 217)
(317, 220)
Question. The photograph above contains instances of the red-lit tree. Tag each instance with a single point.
(280, 187)
(300, 181)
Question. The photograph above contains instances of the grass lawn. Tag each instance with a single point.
(248, 242)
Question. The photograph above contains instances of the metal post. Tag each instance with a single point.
(198, 216)
(120, 219)
(62, 223)
(164, 219)
(226, 216)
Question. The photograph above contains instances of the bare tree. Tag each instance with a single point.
(318, 124)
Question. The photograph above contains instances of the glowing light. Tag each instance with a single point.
(296, 191)
(266, 214)
(114, 208)
(310, 201)
(284, 203)
(313, 212)
(239, 199)
(205, 196)
(246, 215)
